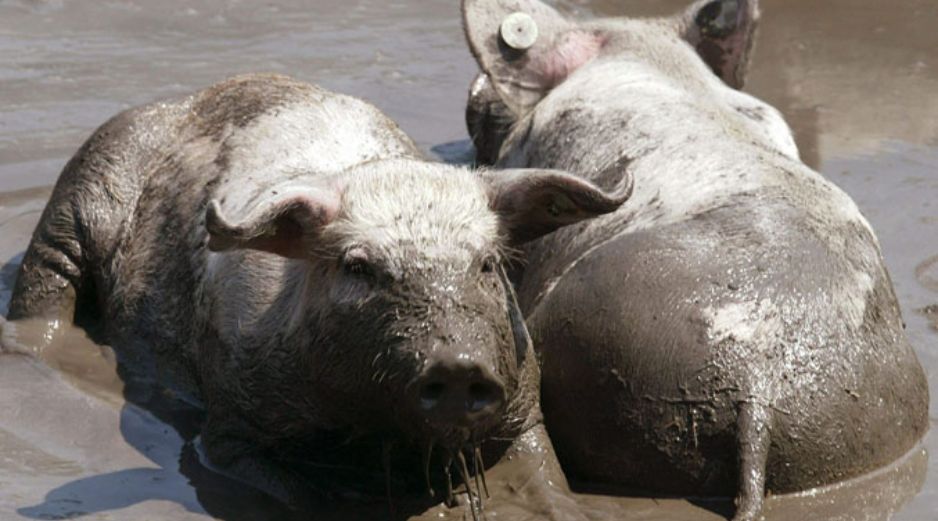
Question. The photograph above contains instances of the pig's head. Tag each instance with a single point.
(526, 49)
(413, 324)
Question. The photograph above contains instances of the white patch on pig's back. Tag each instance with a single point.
(749, 336)
(745, 322)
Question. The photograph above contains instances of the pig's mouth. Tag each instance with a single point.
(458, 461)
(451, 461)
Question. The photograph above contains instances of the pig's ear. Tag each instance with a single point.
(723, 32)
(531, 203)
(285, 220)
(525, 47)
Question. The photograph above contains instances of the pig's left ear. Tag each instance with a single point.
(723, 32)
(531, 203)
(284, 219)
(525, 47)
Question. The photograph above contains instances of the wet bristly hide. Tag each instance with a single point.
(731, 329)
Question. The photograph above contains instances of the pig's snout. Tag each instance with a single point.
(458, 392)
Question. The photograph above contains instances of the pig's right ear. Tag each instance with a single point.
(285, 220)
(723, 32)
(526, 47)
(531, 203)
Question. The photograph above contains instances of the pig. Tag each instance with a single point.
(732, 329)
(284, 257)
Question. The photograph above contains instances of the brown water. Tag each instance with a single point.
(857, 79)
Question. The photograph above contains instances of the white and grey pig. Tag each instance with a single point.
(283, 256)
(732, 328)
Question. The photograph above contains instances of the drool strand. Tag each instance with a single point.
(480, 468)
(449, 480)
(475, 499)
(475, 467)
(427, 456)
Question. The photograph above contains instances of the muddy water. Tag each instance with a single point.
(857, 80)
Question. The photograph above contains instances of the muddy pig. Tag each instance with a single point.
(732, 329)
(284, 256)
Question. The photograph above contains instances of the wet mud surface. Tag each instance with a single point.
(856, 79)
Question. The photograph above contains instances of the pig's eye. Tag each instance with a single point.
(357, 268)
(355, 263)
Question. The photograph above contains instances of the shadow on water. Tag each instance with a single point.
(110, 491)
(456, 152)
(7, 278)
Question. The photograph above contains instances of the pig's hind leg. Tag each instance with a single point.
(83, 221)
(51, 273)
(56, 271)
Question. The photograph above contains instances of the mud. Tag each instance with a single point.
(855, 78)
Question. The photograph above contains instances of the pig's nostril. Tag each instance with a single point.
(449, 394)
(481, 395)
(431, 393)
